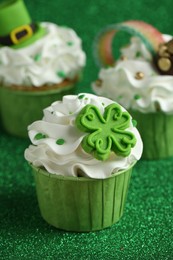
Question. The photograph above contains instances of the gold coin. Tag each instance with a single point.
(163, 51)
(170, 46)
(98, 82)
(139, 75)
(164, 64)
(123, 58)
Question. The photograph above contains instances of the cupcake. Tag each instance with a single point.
(82, 155)
(141, 80)
(39, 63)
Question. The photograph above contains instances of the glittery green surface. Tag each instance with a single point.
(146, 229)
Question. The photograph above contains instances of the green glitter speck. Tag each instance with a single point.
(138, 54)
(134, 122)
(70, 43)
(39, 136)
(61, 74)
(60, 141)
(137, 96)
(81, 96)
(37, 57)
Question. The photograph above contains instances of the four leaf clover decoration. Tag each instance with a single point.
(106, 132)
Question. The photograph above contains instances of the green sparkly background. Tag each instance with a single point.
(146, 229)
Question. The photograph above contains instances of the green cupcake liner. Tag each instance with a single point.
(81, 204)
(19, 109)
(156, 132)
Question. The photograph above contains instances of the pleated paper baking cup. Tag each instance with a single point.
(156, 131)
(21, 108)
(81, 204)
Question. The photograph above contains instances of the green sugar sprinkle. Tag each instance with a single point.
(103, 104)
(138, 54)
(134, 122)
(70, 43)
(37, 57)
(86, 98)
(70, 113)
(81, 96)
(61, 74)
(137, 96)
(39, 136)
(60, 141)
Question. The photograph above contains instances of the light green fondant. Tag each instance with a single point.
(106, 132)
(13, 14)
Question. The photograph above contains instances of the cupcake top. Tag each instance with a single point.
(84, 135)
(141, 78)
(51, 59)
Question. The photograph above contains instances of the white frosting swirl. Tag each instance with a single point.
(148, 94)
(69, 158)
(49, 60)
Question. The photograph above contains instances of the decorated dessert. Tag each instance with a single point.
(82, 154)
(39, 63)
(141, 80)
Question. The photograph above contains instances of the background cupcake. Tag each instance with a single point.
(135, 81)
(39, 62)
(81, 171)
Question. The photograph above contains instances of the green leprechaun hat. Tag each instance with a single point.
(17, 30)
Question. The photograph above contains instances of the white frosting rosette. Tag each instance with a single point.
(134, 83)
(57, 141)
(56, 56)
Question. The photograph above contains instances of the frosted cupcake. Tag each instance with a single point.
(141, 80)
(82, 154)
(39, 63)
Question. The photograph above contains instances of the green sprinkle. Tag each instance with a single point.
(70, 43)
(86, 98)
(70, 113)
(39, 136)
(81, 96)
(137, 96)
(37, 57)
(60, 141)
(138, 54)
(134, 122)
(103, 104)
(61, 74)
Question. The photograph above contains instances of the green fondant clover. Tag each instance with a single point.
(106, 132)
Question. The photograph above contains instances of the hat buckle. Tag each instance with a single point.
(26, 29)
